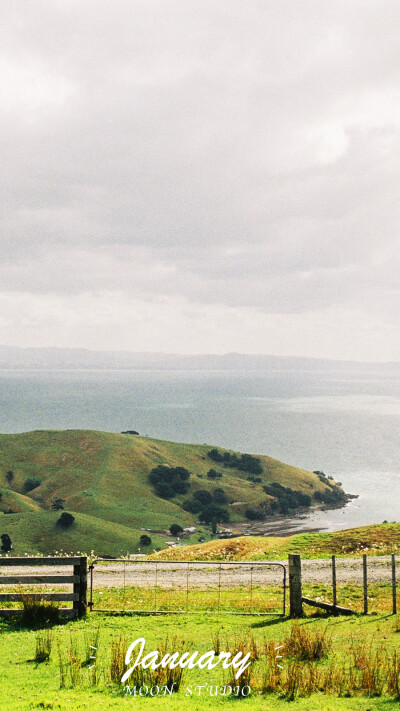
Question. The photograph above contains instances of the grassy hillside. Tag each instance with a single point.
(105, 476)
(380, 539)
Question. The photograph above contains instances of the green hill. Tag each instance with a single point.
(103, 478)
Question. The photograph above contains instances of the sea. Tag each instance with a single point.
(342, 423)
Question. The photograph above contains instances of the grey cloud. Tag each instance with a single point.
(242, 154)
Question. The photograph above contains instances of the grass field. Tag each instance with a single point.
(27, 684)
(103, 479)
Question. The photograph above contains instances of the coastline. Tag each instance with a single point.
(284, 525)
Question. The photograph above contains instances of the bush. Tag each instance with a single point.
(66, 520)
(6, 544)
(145, 540)
(10, 476)
(175, 529)
(31, 484)
(169, 481)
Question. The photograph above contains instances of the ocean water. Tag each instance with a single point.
(344, 424)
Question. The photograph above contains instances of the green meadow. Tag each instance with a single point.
(359, 649)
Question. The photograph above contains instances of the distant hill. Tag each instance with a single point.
(72, 358)
(103, 480)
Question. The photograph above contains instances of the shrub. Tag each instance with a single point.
(31, 484)
(175, 529)
(145, 540)
(10, 476)
(66, 520)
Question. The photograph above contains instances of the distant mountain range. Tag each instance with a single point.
(77, 358)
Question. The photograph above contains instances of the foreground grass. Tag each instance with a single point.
(29, 685)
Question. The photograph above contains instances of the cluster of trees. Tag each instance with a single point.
(208, 506)
(245, 462)
(330, 496)
(254, 514)
(169, 481)
(286, 497)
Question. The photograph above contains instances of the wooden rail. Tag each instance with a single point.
(78, 580)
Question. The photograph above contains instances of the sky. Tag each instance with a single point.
(201, 177)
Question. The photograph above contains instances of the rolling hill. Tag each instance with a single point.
(103, 480)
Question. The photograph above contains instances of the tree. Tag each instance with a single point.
(145, 540)
(31, 484)
(6, 544)
(66, 520)
(10, 476)
(57, 504)
(175, 529)
(203, 496)
(220, 497)
(214, 525)
(213, 474)
(220, 514)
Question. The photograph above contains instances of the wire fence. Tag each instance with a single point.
(125, 585)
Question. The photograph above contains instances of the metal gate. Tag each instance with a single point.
(162, 586)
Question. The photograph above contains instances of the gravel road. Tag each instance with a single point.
(205, 575)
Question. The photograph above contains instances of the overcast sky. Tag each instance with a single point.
(196, 176)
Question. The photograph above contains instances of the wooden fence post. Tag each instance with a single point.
(80, 605)
(295, 589)
(394, 592)
(334, 600)
(365, 583)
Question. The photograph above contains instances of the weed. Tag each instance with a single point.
(43, 646)
(305, 645)
(117, 663)
(38, 613)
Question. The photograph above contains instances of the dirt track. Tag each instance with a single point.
(204, 575)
